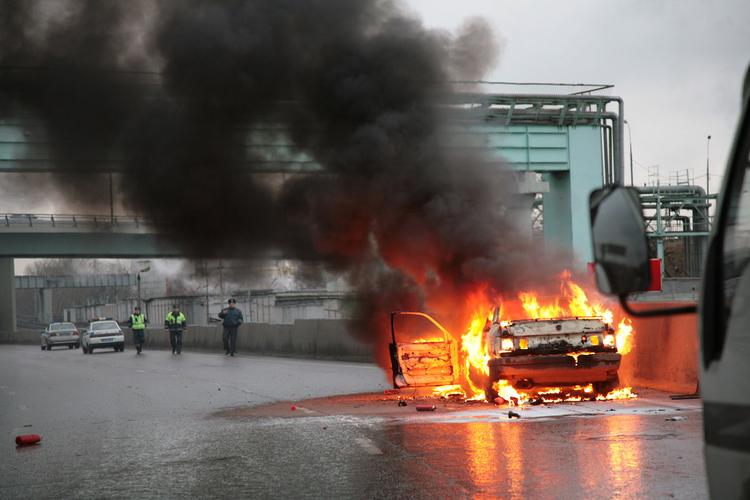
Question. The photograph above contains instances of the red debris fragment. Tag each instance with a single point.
(426, 407)
(28, 439)
(391, 391)
(293, 408)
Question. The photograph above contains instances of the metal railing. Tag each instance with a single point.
(47, 221)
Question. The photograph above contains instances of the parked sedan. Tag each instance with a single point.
(65, 334)
(102, 333)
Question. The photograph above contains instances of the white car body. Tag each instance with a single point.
(103, 334)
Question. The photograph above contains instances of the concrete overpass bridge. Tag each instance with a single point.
(76, 236)
(70, 236)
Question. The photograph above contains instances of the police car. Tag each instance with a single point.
(102, 333)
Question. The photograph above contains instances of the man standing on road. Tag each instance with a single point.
(137, 324)
(232, 320)
(176, 323)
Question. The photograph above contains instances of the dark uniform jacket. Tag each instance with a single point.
(232, 317)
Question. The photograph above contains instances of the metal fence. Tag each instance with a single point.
(265, 306)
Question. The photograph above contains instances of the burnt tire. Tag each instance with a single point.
(607, 386)
(490, 393)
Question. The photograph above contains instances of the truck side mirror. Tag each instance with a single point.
(621, 263)
(619, 236)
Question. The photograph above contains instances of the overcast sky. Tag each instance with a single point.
(678, 64)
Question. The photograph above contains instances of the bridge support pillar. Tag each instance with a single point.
(44, 313)
(7, 296)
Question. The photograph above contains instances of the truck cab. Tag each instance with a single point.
(621, 268)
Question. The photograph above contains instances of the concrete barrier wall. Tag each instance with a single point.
(323, 339)
(316, 338)
(20, 336)
(665, 353)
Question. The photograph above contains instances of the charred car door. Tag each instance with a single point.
(424, 361)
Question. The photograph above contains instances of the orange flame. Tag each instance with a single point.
(572, 301)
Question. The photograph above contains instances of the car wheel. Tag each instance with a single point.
(70, 346)
(490, 393)
(91, 350)
(78, 346)
(607, 386)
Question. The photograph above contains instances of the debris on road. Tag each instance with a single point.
(512, 414)
(293, 408)
(426, 407)
(675, 419)
(28, 439)
(401, 402)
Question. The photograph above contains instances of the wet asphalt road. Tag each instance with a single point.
(118, 425)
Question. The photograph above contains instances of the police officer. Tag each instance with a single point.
(176, 323)
(232, 320)
(137, 323)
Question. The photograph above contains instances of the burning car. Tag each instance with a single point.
(558, 352)
(530, 348)
(530, 355)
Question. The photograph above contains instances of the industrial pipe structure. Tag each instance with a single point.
(673, 199)
(510, 100)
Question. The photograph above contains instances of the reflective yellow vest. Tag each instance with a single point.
(171, 319)
(138, 321)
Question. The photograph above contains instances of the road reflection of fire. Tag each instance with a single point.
(624, 455)
(480, 449)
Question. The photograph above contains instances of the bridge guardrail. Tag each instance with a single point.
(48, 221)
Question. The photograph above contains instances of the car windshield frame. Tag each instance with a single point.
(104, 325)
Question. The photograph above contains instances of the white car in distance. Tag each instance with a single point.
(101, 334)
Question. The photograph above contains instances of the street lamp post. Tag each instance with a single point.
(708, 173)
(138, 279)
(630, 142)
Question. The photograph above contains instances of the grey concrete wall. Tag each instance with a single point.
(20, 336)
(310, 338)
(316, 338)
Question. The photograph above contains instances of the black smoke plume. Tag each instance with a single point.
(169, 93)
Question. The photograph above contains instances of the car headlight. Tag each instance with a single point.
(506, 345)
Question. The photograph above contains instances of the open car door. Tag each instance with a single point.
(422, 362)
